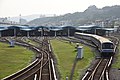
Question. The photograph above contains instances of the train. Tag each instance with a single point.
(104, 45)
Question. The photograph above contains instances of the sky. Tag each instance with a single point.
(12, 8)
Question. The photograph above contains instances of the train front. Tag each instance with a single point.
(107, 49)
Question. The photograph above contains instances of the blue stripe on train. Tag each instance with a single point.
(107, 50)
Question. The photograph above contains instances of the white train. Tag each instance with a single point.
(104, 45)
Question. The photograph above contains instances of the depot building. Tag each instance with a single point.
(37, 31)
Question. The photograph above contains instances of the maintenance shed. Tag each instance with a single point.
(68, 30)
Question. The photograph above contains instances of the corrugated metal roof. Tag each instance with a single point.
(3, 27)
(27, 29)
(82, 29)
(68, 27)
(109, 29)
(89, 26)
(55, 29)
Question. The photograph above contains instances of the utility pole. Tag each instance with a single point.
(20, 19)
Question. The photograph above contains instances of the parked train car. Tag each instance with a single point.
(104, 45)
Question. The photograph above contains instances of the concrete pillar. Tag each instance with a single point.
(28, 34)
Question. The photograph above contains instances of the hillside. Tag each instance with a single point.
(79, 18)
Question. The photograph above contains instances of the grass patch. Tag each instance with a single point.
(117, 63)
(13, 59)
(65, 54)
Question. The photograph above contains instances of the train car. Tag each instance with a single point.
(104, 45)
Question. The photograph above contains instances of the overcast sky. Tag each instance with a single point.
(10, 8)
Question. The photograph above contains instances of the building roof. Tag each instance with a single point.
(88, 27)
(3, 28)
(27, 29)
(13, 27)
(67, 26)
(109, 29)
(1, 25)
(82, 29)
(53, 28)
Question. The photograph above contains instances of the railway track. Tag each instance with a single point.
(40, 69)
(45, 72)
(76, 40)
(99, 71)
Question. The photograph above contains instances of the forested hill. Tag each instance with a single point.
(92, 13)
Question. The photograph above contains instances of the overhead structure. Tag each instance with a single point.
(66, 30)
(27, 29)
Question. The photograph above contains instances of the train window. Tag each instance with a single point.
(107, 46)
